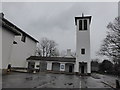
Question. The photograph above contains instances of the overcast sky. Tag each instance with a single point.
(56, 20)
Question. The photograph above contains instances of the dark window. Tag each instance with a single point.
(14, 42)
(82, 51)
(23, 38)
(80, 24)
(85, 24)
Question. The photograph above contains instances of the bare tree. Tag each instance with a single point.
(111, 44)
(48, 47)
(38, 52)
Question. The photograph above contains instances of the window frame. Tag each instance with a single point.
(23, 38)
(83, 51)
(85, 24)
(14, 42)
(80, 24)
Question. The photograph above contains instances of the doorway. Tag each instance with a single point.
(56, 66)
(31, 66)
(70, 69)
(82, 69)
(43, 66)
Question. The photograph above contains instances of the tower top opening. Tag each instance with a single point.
(83, 17)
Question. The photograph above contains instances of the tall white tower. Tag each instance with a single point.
(83, 62)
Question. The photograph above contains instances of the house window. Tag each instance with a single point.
(82, 51)
(80, 24)
(14, 42)
(85, 24)
(23, 38)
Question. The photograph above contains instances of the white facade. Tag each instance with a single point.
(62, 66)
(22, 50)
(16, 45)
(0, 48)
(37, 63)
(49, 65)
(82, 44)
(7, 43)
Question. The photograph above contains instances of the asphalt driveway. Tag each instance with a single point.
(49, 80)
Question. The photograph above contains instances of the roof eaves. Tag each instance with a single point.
(82, 18)
(5, 25)
(15, 27)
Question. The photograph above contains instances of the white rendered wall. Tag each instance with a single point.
(89, 67)
(0, 48)
(7, 43)
(82, 41)
(62, 66)
(37, 63)
(49, 65)
(21, 51)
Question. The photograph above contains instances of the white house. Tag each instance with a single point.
(24, 46)
(7, 35)
(81, 64)
(16, 46)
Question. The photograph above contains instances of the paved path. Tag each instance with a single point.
(43, 80)
(108, 79)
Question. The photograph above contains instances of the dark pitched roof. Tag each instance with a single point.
(5, 24)
(61, 59)
(14, 27)
(83, 17)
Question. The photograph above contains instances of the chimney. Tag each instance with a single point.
(82, 14)
(68, 52)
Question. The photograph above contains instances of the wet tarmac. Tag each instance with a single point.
(49, 80)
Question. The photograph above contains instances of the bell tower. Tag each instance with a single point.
(83, 44)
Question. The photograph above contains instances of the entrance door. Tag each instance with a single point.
(31, 66)
(82, 69)
(56, 67)
(43, 66)
(70, 68)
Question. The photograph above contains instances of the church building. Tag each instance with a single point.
(81, 64)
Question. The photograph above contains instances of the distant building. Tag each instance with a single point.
(53, 64)
(80, 64)
(17, 45)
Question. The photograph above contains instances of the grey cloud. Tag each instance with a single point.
(56, 20)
